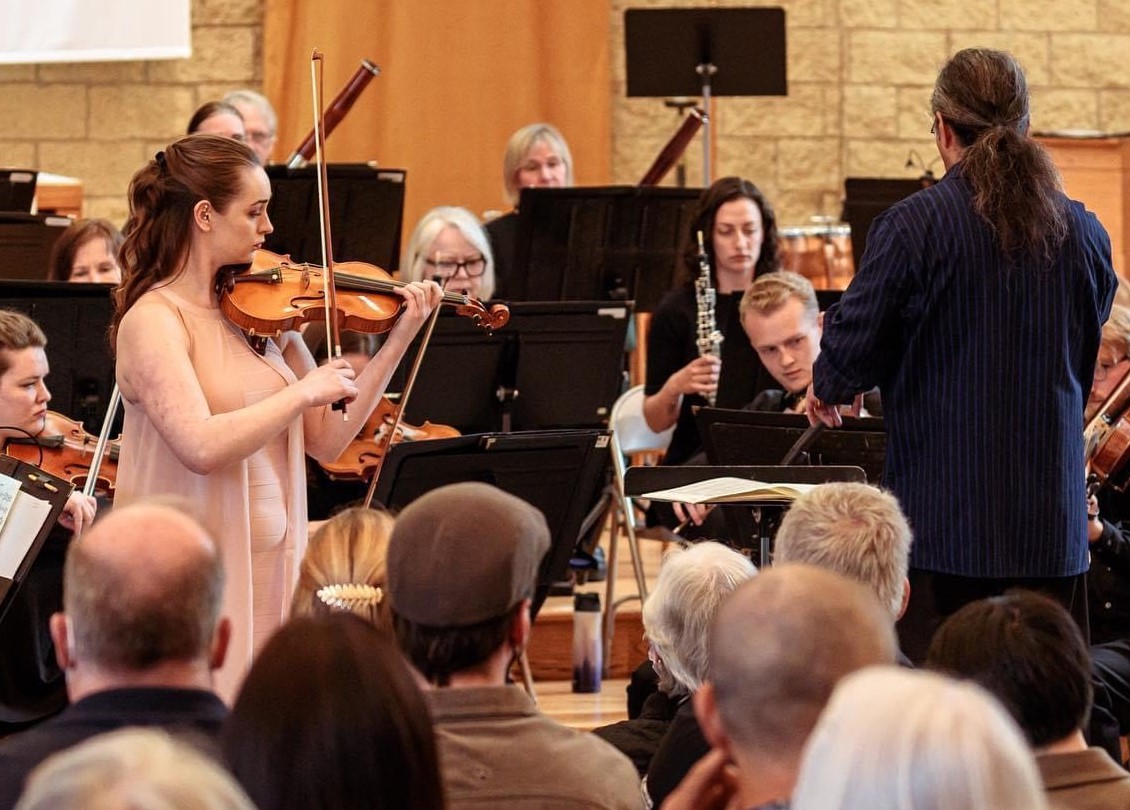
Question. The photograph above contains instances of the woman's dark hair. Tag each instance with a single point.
(162, 196)
(74, 237)
(330, 717)
(206, 111)
(718, 194)
(983, 95)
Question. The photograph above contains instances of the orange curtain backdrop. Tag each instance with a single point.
(457, 78)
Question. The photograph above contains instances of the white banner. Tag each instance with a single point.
(94, 30)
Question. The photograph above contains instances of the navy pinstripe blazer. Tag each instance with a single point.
(984, 368)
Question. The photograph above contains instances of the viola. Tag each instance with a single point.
(68, 453)
(277, 295)
(363, 454)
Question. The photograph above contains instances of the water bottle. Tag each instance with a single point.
(587, 652)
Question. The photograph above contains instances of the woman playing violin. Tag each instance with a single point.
(31, 686)
(208, 417)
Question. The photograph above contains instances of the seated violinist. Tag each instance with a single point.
(449, 246)
(31, 684)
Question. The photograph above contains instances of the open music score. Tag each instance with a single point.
(730, 490)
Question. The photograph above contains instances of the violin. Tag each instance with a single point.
(1106, 437)
(68, 452)
(363, 454)
(276, 295)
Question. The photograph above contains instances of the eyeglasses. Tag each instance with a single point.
(475, 266)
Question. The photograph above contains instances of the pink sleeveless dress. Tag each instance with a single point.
(256, 507)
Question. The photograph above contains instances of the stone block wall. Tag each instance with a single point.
(101, 121)
(860, 75)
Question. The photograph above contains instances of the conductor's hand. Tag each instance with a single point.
(79, 512)
(699, 376)
(818, 411)
(329, 383)
(420, 298)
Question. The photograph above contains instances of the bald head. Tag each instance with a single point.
(779, 646)
(142, 587)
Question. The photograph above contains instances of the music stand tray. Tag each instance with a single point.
(757, 523)
(562, 473)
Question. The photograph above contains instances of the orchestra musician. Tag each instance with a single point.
(536, 156)
(217, 118)
(740, 231)
(977, 310)
(31, 684)
(260, 121)
(449, 246)
(206, 416)
(87, 251)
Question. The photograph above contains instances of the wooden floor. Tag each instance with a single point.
(550, 650)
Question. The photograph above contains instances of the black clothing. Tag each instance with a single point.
(503, 234)
(187, 710)
(680, 749)
(31, 683)
(640, 737)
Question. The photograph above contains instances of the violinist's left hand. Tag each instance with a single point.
(79, 512)
(420, 298)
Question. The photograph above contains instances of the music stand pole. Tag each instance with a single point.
(705, 71)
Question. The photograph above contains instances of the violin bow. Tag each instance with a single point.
(103, 438)
(402, 403)
(329, 289)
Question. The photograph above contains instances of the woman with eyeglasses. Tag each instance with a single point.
(449, 246)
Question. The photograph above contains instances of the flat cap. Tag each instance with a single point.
(463, 554)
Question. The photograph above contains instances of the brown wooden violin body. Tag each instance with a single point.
(276, 295)
(1106, 438)
(68, 452)
(363, 454)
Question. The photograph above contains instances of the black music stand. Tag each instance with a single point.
(554, 365)
(601, 243)
(760, 437)
(28, 524)
(26, 241)
(867, 197)
(366, 213)
(707, 51)
(756, 524)
(562, 473)
(17, 189)
(76, 320)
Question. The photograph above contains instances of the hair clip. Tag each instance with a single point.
(350, 596)
(161, 164)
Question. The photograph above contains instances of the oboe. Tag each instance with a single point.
(709, 338)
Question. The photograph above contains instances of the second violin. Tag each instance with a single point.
(65, 450)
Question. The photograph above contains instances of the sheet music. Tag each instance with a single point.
(25, 518)
(8, 488)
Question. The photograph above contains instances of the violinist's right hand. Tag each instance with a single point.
(329, 383)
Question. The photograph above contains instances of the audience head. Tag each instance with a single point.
(142, 592)
(897, 739)
(853, 529)
(180, 199)
(450, 246)
(536, 157)
(692, 585)
(217, 118)
(781, 318)
(1028, 652)
(132, 769)
(462, 566)
(259, 119)
(23, 371)
(87, 251)
(1114, 358)
(777, 649)
(331, 717)
(344, 567)
(739, 232)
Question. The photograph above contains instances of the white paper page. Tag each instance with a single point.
(8, 488)
(24, 522)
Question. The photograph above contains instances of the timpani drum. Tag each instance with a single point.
(821, 253)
